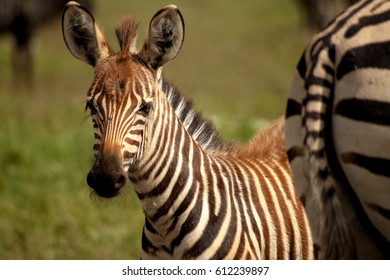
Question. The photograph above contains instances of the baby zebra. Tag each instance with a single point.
(202, 197)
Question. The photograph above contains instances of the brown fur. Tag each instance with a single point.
(266, 144)
(267, 148)
(127, 33)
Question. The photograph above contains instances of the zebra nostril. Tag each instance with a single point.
(106, 185)
(91, 180)
(121, 181)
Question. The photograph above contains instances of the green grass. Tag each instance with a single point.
(237, 63)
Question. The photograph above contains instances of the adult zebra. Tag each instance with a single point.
(202, 198)
(338, 133)
(318, 13)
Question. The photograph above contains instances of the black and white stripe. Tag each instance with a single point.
(338, 133)
(214, 205)
(202, 198)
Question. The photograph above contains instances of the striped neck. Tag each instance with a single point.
(201, 130)
(197, 201)
(165, 179)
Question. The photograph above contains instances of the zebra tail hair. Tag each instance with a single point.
(334, 233)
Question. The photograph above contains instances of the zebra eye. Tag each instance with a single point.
(145, 108)
(90, 105)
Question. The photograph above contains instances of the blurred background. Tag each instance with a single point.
(237, 63)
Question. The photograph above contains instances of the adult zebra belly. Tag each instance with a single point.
(361, 136)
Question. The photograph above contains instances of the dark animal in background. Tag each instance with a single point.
(318, 13)
(21, 18)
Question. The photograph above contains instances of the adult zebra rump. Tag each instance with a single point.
(338, 133)
(202, 198)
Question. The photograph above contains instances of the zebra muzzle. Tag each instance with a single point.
(107, 176)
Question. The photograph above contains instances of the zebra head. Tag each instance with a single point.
(121, 98)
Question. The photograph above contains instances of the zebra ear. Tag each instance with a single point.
(82, 36)
(165, 38)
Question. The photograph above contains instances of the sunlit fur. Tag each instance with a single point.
(203, 198)
(117, 124)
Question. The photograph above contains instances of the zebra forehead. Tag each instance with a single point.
(122, 75)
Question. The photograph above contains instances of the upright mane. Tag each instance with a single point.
(267, 144)
(202, 130)
(126, 32)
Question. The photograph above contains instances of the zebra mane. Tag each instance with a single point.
(126, 32)
(202, 130)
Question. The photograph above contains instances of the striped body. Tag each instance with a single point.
(202, 198)
(338, 133)
(216, 205)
